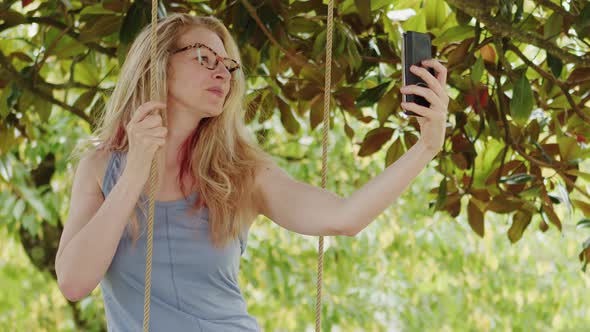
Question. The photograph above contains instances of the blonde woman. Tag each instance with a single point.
(213, 182)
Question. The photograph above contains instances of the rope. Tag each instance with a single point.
(152, 179)
(154, 174)
(326, 127)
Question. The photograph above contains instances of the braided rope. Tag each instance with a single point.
(325, 129)
(152, 179)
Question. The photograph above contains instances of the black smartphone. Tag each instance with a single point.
(416, 46)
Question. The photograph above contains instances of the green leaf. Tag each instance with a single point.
(395, 151)
(300, 24)
(553, 27)
(252, 102)
(19, 208)
(488, 160)
(267, 106)
(84, 100)
(138, 15)
(521, 104)
(453, 34)
(349, 131)
(458, 54)
(14, 95)
(99, 28)
(583, 175)
(65, 46)
(583, 206)
(378, 4)
(7, 206)
(387, 105)
(416, 23)
(477, 70)
(582, 24)
(436, 13)
(4, 106)
(555, 64)
(372, 95)
(353, 55)
(568, 148)
(316, 114)
(87, 73)
(250, 59)
(340, 41)
(584, 223)
(441, 197)
(261, 135)
(95, 9)
(517, 178)
(7, 139)
(475, 218)
(520, 221)
(287, 118)
(364, 11)
(501, 204)
(549, 215)
(519, 9)
(374, 140)
(30, 224)
(31, 196)
(43, 108)
(273, 59)
(319, 47)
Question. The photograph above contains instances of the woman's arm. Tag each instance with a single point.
(305, 209)
(310, 210)
(93, 229)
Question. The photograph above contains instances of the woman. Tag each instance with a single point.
(213, 182)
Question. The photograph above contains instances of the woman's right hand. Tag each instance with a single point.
(145, 135)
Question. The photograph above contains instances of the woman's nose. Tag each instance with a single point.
(221, 72)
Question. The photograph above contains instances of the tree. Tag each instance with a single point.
(519, 78)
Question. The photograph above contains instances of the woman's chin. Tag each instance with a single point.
(213, 112)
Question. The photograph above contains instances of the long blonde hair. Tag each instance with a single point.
(220, 155)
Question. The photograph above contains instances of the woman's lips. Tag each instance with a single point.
(216, 92)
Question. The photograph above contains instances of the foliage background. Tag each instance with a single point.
(451, 254)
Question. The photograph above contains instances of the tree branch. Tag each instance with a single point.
(481, 10)
(557, 9)
(110, 51)
(508, 137)
(293, 57)
(550, 77)
(23, 83)
(373, 59)
(584, 101)
(72, 85)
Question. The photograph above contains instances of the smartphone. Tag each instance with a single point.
(416, 46)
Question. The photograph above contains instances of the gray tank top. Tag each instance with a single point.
(194, 285)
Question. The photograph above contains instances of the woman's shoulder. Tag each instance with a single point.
(95, 162)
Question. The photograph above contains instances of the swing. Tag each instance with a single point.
(153, 169)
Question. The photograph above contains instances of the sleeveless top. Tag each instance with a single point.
(194, 285)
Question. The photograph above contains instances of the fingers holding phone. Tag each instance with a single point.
(421, 86)
(436, 85)
(424, 89)
(434, 90)
(416, 47)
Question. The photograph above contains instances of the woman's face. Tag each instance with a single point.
(191, 85)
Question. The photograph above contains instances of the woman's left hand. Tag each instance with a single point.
(433, 122)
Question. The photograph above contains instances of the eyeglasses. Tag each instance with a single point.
(208, 58)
